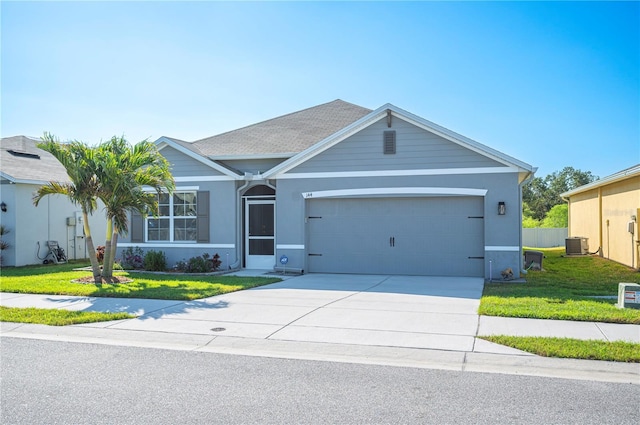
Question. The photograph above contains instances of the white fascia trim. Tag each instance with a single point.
(27, 181)
(502, 248)
(393, 173)
(457, 138)
(613, 178)
(8, 177)
(203, 179)
(289, 246)
(23, 181)
(177, 188)
(388, 191)
(252, 156)
(163, 141)
(177, 245)
(326, 143)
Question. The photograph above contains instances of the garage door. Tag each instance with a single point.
(441, 236)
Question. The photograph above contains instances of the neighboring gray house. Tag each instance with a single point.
(338, 188)
(23, 169)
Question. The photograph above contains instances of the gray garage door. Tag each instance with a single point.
(441, 236)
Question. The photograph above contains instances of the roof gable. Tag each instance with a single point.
(193, 152)
(413, 149)
(23, 162)
(390, 111)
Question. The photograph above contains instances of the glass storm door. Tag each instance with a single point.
(260, 234)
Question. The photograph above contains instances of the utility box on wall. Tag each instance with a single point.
(628, 295)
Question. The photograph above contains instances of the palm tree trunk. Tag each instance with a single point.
(114, 248)
(111, 247)
(107, 263)
(95, 266)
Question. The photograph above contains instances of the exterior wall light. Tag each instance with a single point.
(502, 208)
(3, 207)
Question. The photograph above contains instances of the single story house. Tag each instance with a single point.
(606, 213)
(23, 169)
(338, 188)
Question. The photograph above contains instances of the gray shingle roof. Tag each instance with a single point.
(28, 163)
(285, 135)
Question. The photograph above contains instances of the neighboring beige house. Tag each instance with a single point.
(607, 212)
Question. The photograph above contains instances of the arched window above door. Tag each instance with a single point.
(260, 190)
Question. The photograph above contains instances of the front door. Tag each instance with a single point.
(260, 234)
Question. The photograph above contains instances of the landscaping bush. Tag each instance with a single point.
(132, 258)
(199, 264)
(155, 261)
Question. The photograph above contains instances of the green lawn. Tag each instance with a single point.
(56, 280)
(617, 351)
(55, 317)
(565, 290)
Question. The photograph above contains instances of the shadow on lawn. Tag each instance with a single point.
(143, 308)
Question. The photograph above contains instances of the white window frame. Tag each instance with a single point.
(171, 218)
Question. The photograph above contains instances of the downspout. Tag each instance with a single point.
(568, 201)
(238, 262)
(600, 218)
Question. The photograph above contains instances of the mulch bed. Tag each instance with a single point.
(89, 280)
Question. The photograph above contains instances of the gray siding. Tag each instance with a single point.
(253, 166)
(415, 149)
(501, 233)
(183, 165)
(222, 225)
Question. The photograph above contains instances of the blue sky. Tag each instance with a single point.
(553, 84)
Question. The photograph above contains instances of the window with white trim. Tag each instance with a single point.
(176, 218)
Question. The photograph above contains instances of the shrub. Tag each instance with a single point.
(132, 258)
(155, 261)
(199, 264)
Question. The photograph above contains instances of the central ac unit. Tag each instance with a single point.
(577, 246)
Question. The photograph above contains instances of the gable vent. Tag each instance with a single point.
(389, 142)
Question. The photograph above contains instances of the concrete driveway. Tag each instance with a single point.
(393, 311)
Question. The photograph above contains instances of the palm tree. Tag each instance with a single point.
(124, 171)
(82, 189)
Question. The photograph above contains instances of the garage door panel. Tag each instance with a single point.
(396, 236)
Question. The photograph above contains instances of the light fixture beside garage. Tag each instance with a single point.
(502, 208)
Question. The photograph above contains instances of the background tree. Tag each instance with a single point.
(527, 217)
(558, 216)
(542, 194)
(124, 172)
(79, 162)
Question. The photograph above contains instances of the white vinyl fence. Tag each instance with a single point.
(539, 237)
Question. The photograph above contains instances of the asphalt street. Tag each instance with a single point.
(70, 383)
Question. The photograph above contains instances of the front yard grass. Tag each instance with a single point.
(55, 317)
(567, 289)
(616, 351)
(56, 280)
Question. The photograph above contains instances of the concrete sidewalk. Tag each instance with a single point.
(400, 320)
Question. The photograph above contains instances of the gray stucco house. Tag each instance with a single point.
(339, 188)
(23, 169)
